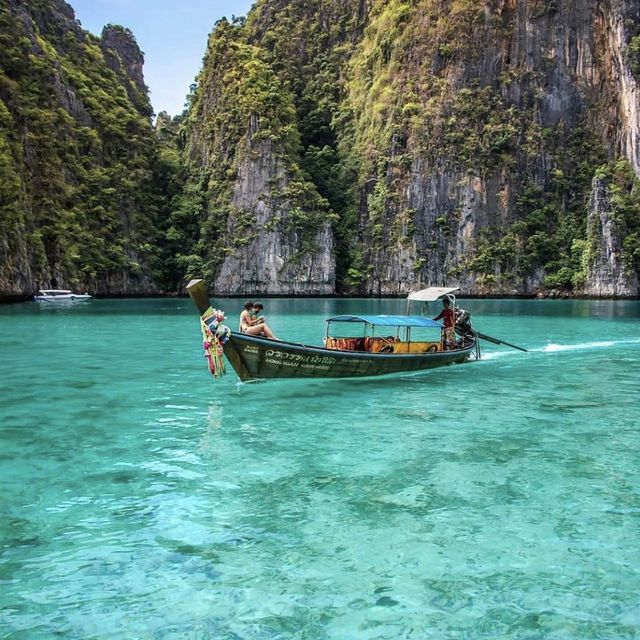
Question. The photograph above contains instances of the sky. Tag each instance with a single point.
(171, 33)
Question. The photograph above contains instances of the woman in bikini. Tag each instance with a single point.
(253, 326)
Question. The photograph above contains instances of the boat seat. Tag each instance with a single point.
(345, 344)
(414, 347)
(376, 345)
(370, 344)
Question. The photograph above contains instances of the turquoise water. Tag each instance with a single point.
(142, 499)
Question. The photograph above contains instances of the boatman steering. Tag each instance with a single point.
(448, 317)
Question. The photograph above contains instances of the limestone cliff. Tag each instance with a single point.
(273, 261)
(370, 147)
(521, 103)
(78, 202)
(454, 140)
(608, 275)
(265, 228)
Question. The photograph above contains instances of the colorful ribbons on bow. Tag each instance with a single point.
(214, 337)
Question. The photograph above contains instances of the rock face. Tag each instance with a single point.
(273, 262)
(120, 41)
(122, 54)
(613, 39)
(608, 274)
(78, 205)
(265, 229)
(565, 69)
(467, 137)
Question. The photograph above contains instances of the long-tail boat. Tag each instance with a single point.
(386, 346)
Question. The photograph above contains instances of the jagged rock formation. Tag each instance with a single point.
(608, 275)
(124, 58)
(78, 201)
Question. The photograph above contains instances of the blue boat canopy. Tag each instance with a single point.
(389, 321)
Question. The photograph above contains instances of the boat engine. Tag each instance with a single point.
(463, 324)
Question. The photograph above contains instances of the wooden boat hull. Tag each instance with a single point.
(255, 358)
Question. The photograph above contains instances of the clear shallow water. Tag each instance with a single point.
(142, 499)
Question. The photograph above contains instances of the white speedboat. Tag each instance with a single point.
(59, 295)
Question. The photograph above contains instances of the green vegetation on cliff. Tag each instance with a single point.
(421, 141)
(419, 95)
(624, 208)
(373, 103)
(77, 158)
(240, 112)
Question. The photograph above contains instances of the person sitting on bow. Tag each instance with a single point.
(253, 325)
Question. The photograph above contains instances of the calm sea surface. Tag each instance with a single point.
(141, 498)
